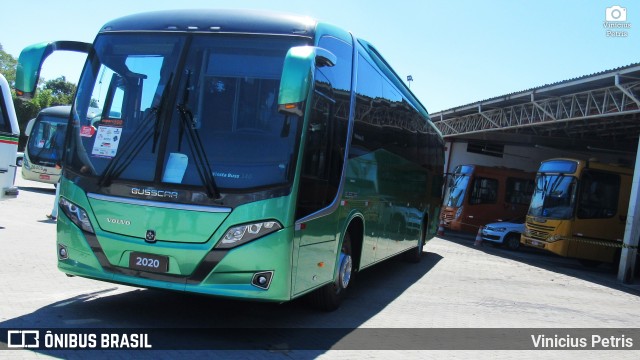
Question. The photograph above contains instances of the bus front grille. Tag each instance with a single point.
(539, 232)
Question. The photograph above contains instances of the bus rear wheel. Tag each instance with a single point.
(330, 296)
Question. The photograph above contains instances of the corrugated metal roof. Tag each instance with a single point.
(577, 84)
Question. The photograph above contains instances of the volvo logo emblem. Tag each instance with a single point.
(150, 237)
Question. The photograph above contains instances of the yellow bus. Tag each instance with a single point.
(579, 210)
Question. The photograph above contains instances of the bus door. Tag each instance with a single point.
(317, 215)
(600, 216)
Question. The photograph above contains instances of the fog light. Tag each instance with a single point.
(62, 252)
(262, 279)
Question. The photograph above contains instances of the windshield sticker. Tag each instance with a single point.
(107, 141)
(87, 131)
(111, 122)
(230, 175)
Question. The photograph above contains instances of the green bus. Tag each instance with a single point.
(240, 154)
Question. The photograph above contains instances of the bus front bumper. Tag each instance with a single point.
(258, 270)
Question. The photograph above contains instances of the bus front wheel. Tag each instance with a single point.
(329, 297)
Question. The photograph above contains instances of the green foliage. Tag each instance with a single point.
(62, 91)
(8, 66)
(49, 93)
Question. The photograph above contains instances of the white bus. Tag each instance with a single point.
(43, 152)
(9, 133)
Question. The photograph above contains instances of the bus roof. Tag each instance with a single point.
(595, 164)
(486, 168)
(215, 21)
(58, 111)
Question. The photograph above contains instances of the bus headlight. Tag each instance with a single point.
(244, 233)
(77, 214)
(554, 238)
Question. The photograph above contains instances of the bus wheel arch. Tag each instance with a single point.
(330, 296)
(355, 229)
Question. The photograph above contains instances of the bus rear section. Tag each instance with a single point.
(9, 133)
(477, 195)
(579, 210)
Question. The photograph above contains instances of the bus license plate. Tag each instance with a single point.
(148, 262)
(536, 243)
(45, 177)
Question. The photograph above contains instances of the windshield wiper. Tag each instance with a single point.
(195, 144)
(132, 147)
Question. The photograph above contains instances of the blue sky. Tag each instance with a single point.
(457, 51)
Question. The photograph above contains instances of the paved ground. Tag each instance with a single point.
(455, 286)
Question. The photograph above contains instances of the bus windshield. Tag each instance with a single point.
(554, 196)
(456, 190)
(46, 140)
(183, 109)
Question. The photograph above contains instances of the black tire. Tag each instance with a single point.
(512, 241)
(415, 255)
(330, 296)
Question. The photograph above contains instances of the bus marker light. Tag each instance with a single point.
(62, 252)
(321, 264)
(262, 279)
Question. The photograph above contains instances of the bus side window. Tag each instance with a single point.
(5, 125)
(598, 196)
(485, 191)
(519, 191)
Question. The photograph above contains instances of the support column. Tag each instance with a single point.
(632, 228)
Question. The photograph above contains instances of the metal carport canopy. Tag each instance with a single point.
(597, 112)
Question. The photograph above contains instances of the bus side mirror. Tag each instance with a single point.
(297, 76)
(31, 59)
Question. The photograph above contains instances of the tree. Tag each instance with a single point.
(62, 91)
(8, 66)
